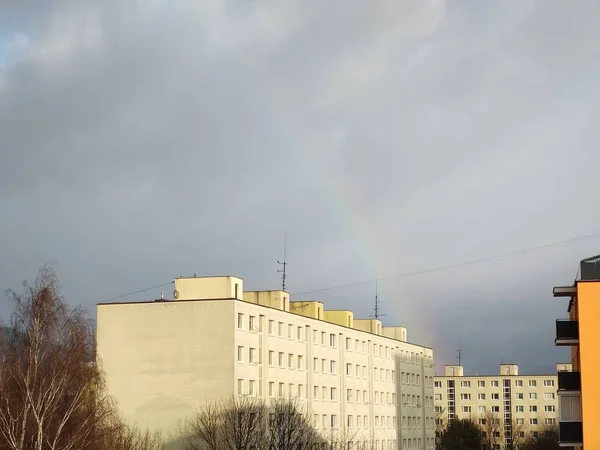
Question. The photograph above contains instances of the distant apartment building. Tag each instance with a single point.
(579, 390)
(508, 406)
(163, 359)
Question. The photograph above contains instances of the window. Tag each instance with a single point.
(240, 354)
(316, 364)
(290, 331)
(316, 392)
(333, 393)
(300, 362)
(481, 396)
(280, 359)
(533, 408)
(570, 408)
(280, 329)
(519, 408)
(357, 371)
(251, 385)
(271, 389)
(533, 421)
(549, 421)
(348, 347)
(548, 383)
(495, 396)
(240, 321)
(437, 384)
(349, 394)
(465, 396)
(240, 387)
(299, 333)
(252, 323)
(252, 356)
(332, 367)
(300, 391)
(324, 420)
(349, 369)
(324, 365)
(290, 361)
(550, 408)
(466, 384)
(333, 421)
(281, 388)
(548, 395)
(519, 383)
(519, 396)
(271, 325)
(495, 409)
(437, 397)
(520, 421)
(291, 390)
(332, 341)
(480, 384)
(532, 383)
(271, 357)
(349, 421)
(315, 336)
(494, 383)
(481, 409)
(323, 334)
(532, 396)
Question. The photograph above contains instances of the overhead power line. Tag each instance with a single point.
(451, 266)
(137, 292)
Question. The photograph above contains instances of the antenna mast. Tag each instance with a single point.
(459, 355)
(377, 315)
(284, 263)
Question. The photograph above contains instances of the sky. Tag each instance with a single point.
(141, 141)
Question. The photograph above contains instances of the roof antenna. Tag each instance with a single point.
(284, 263)
(377, 315)
(459, 355)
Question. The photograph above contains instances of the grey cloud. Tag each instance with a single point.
(142, 141)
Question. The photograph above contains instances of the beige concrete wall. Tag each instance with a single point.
(342, 317)
(272, 299)
(203, 288)
(369, 325)
(398, 333)
(308, 308)
(163, 359)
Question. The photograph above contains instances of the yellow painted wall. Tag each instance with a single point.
(308, 309)
(368, 325)
(204, 288)
(342, 317)
(160, 358)
(588, 310)
(398, 333)
(272, 299)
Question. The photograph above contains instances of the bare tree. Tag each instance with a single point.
(52, 394)
(238, 423)
(290, 428)
(518, 434)
(492, 430)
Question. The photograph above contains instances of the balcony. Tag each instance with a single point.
(571, 434)
(569, 381)
(567, 332)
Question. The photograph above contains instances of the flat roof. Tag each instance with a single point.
(163, 301)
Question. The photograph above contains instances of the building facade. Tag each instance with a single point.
(579, 390)
(509, 407)
(163, 359)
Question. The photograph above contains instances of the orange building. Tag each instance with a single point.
(579, 390)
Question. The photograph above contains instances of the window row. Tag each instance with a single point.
(518, 396)
(416, 400)
(410, 378)
(496, 383)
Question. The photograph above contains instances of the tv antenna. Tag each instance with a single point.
(459, 355)
(377, 315)
(284, 264)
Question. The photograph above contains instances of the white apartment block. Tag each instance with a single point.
(518, 405)
(163, 359)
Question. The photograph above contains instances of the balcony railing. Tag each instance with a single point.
(569, 381)
(567, 332)
(571, 434)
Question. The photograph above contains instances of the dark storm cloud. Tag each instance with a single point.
(143, 141)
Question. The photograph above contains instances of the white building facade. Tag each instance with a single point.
(164, 359)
